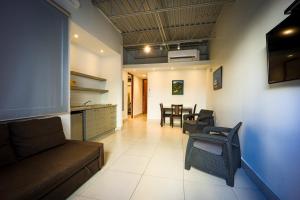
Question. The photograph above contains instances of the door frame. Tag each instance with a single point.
(145, 98)
(132, 83)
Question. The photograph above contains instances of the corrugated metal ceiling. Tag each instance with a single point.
(162, 21)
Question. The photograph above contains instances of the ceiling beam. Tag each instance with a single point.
(168, 42)
(161, 29)
(159, 10)
(170, 27)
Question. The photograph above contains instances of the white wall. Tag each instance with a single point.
(94, 22)
(160, 90)
(109, 67)
(137, 96)
(66, 121)
(270, 113)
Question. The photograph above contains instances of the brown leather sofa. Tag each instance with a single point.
(37, 162)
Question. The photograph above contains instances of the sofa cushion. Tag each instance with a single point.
(7, 155)
(209, 147)
(35, 176)
(33, 136)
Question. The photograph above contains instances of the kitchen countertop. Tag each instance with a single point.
(89, 107)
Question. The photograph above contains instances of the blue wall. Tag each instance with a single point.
(270, 136)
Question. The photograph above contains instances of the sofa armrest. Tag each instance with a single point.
(101, 152)
(100, 146)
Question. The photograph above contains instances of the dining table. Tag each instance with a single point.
(186, 110)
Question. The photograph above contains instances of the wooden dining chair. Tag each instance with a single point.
(191, 115)
(194, 112)
(163, 115)
(176, 113)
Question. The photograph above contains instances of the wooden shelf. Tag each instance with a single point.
(87, 76)
(88, 89)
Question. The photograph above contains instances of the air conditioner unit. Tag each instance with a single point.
(183, 55)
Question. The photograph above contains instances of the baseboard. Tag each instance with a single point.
(137, 115)
(269, 194)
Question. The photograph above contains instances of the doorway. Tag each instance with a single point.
(145, 95)
(130, 95)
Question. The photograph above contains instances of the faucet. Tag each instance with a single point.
(85, 103)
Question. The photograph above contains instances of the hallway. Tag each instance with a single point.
(145, 161)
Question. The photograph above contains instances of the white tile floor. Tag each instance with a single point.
(146, 162)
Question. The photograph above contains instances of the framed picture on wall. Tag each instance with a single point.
(217, 78)
(177, 87)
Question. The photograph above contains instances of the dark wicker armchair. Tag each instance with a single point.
(202, 119)
(216, 150)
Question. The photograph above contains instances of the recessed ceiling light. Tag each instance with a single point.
(144, 75)
(76, 36)
(291, 55)
(147, 49)
(101, 51)
(178, 47)
(289, 31)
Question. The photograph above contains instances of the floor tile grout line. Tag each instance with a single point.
(236, 196)
(90, 198)
(118, 157)
(135, 187)
(142, 175)
(161, 177)
(169, 138)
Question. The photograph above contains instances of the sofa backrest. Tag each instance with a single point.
(30, 137)
(7, 155)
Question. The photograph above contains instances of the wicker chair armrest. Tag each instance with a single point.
(201, 118)
(187, 116)
(235, 145)
(209, 138)
(200, 123)
(215, 129)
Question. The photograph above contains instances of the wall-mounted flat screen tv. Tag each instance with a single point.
(283, 48)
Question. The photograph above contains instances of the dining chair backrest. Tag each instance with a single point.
(176, 109)
(195, 107)
(161, 109)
